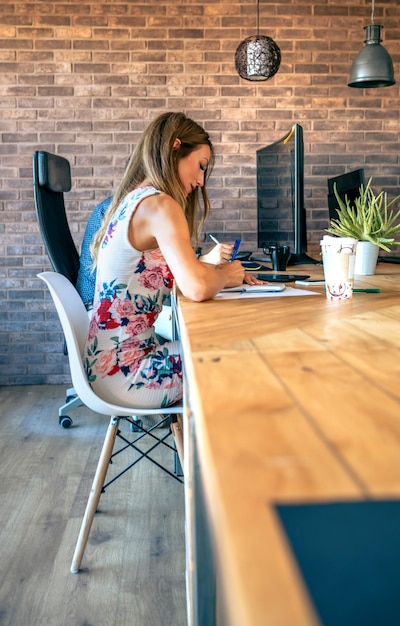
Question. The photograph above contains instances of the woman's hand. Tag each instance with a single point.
(236, 275)
(221, 253)
(233, 273)
(250, 279)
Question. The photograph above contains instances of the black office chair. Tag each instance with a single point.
(51, 179)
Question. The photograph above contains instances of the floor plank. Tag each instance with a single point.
(134, 565)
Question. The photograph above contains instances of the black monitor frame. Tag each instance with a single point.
(281, 214)
(346, 185)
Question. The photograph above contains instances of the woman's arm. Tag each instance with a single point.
(160, 221)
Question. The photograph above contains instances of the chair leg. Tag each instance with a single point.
(177, 432)
(73, 403)
(70, 393)
(95, 493)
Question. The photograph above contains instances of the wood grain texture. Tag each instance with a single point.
(295, 400)
(135, 560)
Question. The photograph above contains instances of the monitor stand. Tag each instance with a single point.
(302, 259)
(295, 259)
(389, 259)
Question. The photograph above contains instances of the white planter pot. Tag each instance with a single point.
(366, 258)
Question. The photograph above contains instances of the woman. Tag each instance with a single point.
(144, 244)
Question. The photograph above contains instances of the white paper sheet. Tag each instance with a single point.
(289, 291)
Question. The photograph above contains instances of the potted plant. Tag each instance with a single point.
(371, 221)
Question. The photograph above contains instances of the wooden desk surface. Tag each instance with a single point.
(294, 399)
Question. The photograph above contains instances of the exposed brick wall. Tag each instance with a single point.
(82, 79)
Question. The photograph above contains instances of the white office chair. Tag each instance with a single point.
(75, 323)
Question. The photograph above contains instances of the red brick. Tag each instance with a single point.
(84, 79)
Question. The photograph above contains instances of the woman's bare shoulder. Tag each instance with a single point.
(160, 202)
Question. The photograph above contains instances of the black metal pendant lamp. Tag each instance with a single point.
(372, 66)
(258, 57)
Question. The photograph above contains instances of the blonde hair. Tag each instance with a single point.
(155, 159)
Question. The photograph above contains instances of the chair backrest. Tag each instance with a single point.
(51, 179)
(70, 308)
(75, 324)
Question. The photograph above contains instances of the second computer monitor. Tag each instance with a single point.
(347, 185)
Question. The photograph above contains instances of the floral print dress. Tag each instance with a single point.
(124, 361)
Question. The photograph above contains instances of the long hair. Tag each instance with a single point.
(156, 160)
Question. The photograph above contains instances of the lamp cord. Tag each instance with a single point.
(373, 12)
(258, 17)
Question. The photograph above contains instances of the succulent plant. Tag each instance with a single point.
(369, 218)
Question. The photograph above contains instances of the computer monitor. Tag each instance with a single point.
(281, 215)
(347, 185)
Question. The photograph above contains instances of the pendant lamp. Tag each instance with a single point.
(258, 57)
(372, 66)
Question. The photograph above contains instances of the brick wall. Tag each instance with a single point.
(82, 79)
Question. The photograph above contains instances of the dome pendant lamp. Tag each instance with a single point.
(372, 66)
(257, 57)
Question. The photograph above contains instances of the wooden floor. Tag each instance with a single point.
(134, 565)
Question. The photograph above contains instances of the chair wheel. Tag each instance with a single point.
(136, 425)
(65, 421)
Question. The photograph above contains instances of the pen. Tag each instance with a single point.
(365, 290)
(214, 239)
(235, 249)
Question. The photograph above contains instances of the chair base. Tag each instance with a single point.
(106, 457)
(72, 401)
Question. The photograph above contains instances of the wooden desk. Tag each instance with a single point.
(292, 399)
